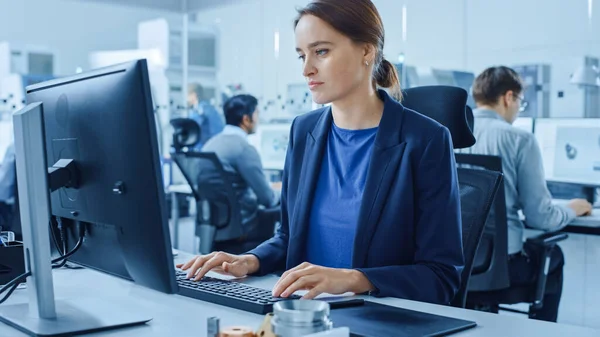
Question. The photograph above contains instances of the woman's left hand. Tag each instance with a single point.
(318, 280)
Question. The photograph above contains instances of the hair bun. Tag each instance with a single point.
(386, 76)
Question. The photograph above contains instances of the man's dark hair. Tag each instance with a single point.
(495, 82)
(237, 106)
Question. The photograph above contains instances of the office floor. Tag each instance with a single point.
(580, 303)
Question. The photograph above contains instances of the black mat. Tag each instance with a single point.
(377, 320)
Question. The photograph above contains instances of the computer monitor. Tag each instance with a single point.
(103, 122)
(271, 141)
(410, 77)
(444, 77)
(570, 149)
(465, 79)
(525, 123)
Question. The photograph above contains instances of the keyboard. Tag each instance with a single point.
(229, 293)
(592, 220)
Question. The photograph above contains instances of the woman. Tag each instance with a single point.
(370, 199)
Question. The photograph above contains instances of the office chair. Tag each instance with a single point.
(490, 267)
(470, 118)
(490, 286)
(186, 134)
(16, 220)
(448, 106)
(218, 215)
(478, 189)
(10, 219)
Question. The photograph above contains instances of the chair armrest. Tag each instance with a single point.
(546, 243)
(271, 210)
(547, 239)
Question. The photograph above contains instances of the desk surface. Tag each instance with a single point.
(176, 315)
(589, 224)
(592, 220)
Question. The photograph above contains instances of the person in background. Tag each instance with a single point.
(370, 200)
(208, 118)
(243, 161)
(8, 189)
(498, 93)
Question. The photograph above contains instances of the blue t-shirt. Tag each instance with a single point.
(334, 213)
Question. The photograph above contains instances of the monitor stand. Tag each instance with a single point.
(42, 316)
(82, 315)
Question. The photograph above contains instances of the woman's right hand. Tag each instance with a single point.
(222, 263)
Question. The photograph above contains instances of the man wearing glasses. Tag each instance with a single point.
(498, 93)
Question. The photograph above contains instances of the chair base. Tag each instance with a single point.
(495, 309)
(503, 308)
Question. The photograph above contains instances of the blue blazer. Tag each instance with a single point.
(408, 241)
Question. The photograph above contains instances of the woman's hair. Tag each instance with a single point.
(359, 20)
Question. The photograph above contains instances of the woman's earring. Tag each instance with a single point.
(367, 63)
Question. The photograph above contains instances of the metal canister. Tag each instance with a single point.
(298, 318)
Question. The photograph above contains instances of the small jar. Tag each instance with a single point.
(296, 318)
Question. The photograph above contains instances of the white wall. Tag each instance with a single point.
(451, 34)
(247, 45)
(71, 28)
(524, 31)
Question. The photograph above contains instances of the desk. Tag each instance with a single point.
(589, 225)
(176, 315)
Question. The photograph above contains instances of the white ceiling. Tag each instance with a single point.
(179, 6)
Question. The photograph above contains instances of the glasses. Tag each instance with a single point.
(523, 105)
(520, 97)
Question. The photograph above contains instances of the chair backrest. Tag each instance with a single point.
(448, 106)
(16, 217)
(13, 217)
(478, 189)
(470, 118)
(213, 190)
(186, 133)
(445, 104)
(490, 267)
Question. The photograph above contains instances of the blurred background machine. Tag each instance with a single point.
(536, 78)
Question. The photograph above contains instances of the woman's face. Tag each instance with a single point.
(333, 65)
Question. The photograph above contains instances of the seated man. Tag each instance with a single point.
(208, 118)
(498, 95)
(8, 183)
(243, 161)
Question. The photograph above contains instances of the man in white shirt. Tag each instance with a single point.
(498, 93)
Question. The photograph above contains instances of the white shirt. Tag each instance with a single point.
(234, 130)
